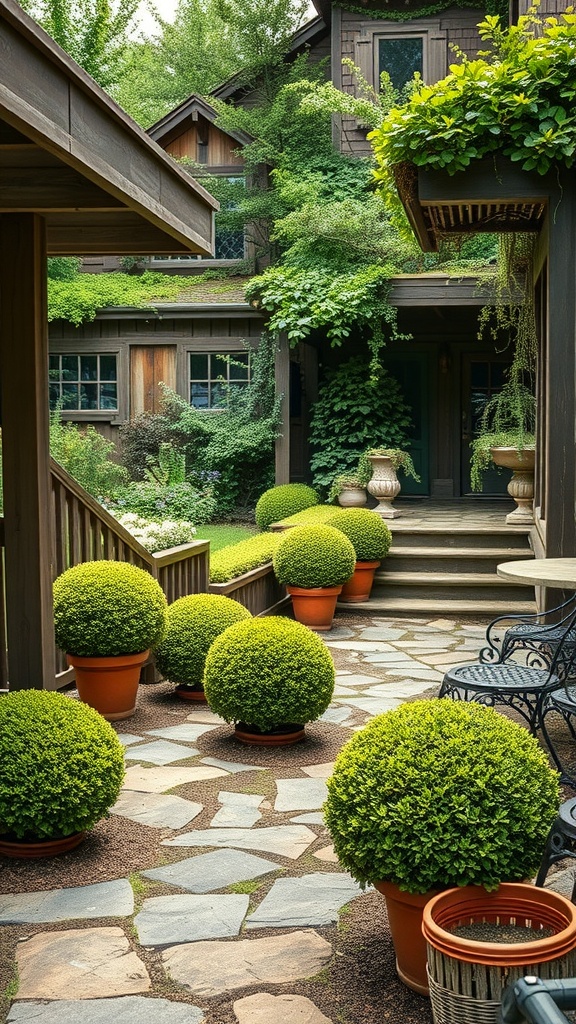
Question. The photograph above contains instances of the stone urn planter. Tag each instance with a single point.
(384, 485)
(521, 486)
(352, 496)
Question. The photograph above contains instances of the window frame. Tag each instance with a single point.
(87, 348)
(434, 47)
(399, 34)
(221, 352)
(169, 263)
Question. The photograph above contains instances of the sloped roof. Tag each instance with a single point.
(69, 153)
(189, 110)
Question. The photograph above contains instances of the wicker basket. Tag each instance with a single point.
(467, 977)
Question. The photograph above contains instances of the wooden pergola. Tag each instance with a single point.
(495, 195)
(77, 177)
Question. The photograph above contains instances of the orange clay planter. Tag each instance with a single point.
(188, 693)
(467, 976)
(314, 606)
(359, 586)
(405, 921)
(109, 684)
(22, 850)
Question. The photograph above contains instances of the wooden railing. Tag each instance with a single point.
(83, 531)
(258, 590)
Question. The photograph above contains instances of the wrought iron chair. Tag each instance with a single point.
(509, 634)
(524, 688)
(563, 701)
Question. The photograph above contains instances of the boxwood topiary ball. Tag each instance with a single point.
(106, 608)
(371, 538)
(314, 556)
(278, 502)
(193, 624)
(436, 794)
(267, 673)
(61, 765)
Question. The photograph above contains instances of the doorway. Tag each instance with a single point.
(482, 377)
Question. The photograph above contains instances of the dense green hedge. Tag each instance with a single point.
(236, 559)
(61, 765)
(370, 536)
(105, 608)
(269, 672)
(313, 516)
(314, 556)
(439, 793)
(279, 502)
(194, 622)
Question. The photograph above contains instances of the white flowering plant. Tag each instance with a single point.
(156, 536)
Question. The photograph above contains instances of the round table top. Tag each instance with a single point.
(541, 572)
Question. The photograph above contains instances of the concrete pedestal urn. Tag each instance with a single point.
(352, 497)
(384, 485)
(521, 486)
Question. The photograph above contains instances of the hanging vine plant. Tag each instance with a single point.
(411, 9)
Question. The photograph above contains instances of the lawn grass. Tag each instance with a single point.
(221, 535)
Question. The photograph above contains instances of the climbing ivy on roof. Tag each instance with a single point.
(79, 298)
(421, 10)
(518, 99)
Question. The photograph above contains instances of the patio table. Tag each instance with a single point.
(541, 572)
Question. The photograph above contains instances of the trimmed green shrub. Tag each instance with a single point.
(268, 672)
(371, 538)
(154, 500)
(284, 500)
(236, 559)
(314, 556)
(313, 516)
(194, 622)
(61, 765)
(105, 608)
(439, 793)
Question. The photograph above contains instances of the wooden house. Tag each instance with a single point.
(445, 370)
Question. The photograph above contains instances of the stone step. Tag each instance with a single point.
(454, 560)
(420, 603)
(459, 536)
(450, 579)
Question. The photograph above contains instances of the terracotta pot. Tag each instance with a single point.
(359, 585)
(283, 736)
(477, 989)
(188, 693)
(405, 919)
(314, 607)
(40, 848)
(110, 684)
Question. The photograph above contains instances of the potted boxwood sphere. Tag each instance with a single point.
(61, 769)
(270, 676)
(107, 615)
(314, 562)
(194, 622)
(284, 500)
(371, 540)
(437, 794)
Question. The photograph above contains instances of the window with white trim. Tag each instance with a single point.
(212, 376)
(84, 382)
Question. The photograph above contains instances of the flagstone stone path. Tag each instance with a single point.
(249, 897)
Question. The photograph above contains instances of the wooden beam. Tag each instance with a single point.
(25, 445)
(44, 189)
(109, 233)
(282, 379)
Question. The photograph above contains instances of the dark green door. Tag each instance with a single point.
(412, 373)
(482, 378)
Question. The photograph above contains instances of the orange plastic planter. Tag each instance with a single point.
(109, 685)
(515, 903)
(359, 585)
(314, 607)
(405, 921)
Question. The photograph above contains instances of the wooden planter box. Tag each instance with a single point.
(258, 590)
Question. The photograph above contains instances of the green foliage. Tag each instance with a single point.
(268, 672)
(170, 469)
(194, 622)
(222, 535)
(106, 608)
(235, 560)
(79, 299)
(516, 100)
(316, 515)
(354, 409)
(438, 793)
(63, 268)
(142, 438)
(314, 556)
(369, 534)
(286, 499)
(481, 458)
(423, 10)
(156, 501)
(93, 32)
(157, 536)
(61, 765)
(86, 455)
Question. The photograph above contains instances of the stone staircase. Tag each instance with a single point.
(449, 569)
